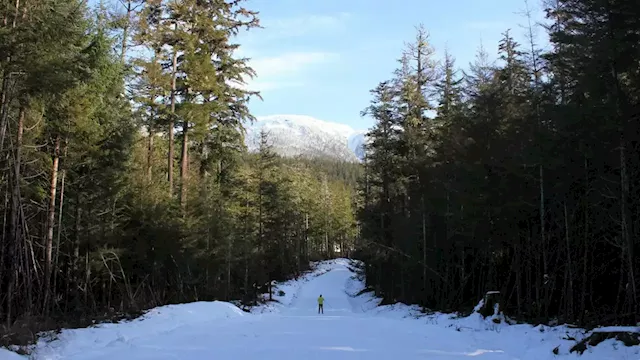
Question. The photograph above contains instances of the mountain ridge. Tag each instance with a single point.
(301, 135)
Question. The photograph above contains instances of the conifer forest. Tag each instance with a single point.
(526, 181)
(125, 181)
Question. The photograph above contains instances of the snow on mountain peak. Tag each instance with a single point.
(294, 135)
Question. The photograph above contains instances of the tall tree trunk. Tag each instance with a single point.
(48, 246)
(174, 68)
(543, 240)
(4, 91)
(585, 246)
(229, 245)
(246, 277)
(15, 228)
(150, 155)
(125, 32)
(202, 171)
(569, 265)
(60, 207)
(151, 130)
(424, 249)
(625, 224)
(4, 105)
(15, 15)
(306, 237)
(76, 250)
(184, 165)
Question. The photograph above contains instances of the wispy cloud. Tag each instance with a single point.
(289, 63)
(285, 70)
(271, 49)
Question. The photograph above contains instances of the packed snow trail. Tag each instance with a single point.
(350, 328)
(331, 286)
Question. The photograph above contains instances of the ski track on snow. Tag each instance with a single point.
(352, 327)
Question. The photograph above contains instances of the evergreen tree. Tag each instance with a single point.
(91, 228)
(491, 218)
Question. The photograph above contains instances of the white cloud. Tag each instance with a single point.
(289, 63)
(285, 70)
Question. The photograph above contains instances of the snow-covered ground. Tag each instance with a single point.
(352, 327)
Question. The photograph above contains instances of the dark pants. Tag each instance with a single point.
(320, 309)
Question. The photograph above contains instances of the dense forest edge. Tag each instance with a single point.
(519, 177)
(126, 183)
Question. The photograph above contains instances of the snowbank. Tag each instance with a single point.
(367, 303)
(8, 355)
(161, 320)
(521, 341)
(353, 323)
(527, 341)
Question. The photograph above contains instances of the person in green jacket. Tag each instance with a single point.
(320, 304)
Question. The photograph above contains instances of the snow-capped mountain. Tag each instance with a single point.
(356, 143)
(293, 135)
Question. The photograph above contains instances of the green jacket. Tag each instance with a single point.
(320, 300)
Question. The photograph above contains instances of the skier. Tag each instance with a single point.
(320, 304)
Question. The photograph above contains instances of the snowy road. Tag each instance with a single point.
(351, 328)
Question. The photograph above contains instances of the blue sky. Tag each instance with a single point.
(321, 57)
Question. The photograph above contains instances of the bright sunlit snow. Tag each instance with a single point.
(351, 328)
